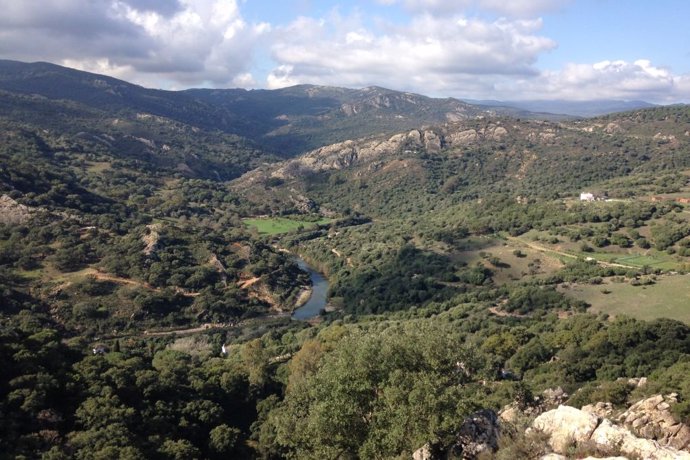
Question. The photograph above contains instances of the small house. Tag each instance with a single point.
(99, 349)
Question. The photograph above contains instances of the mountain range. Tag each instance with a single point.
(285, 121)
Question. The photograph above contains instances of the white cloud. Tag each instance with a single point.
(461, 48)
(429, 54)
(511, 8)
(603, 80)
(281, 77)
(179, 43)
(244, 80)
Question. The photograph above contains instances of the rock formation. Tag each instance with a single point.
(12, 213)
(479, 433)
(651, 418)
(567, 427)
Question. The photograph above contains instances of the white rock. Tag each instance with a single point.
(565, 426)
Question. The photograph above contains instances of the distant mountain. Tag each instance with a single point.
(591, 108)
(299, 118)
(287, 121)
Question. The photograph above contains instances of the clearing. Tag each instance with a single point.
(668, 298)
(277, 225)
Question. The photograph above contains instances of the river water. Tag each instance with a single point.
(319, 292)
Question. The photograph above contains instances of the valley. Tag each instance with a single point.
(154, 249)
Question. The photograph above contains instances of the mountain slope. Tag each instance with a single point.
(592, 108)
(288, 121)
(473, 158)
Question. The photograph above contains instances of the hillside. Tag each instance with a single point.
(472, 158)
(592, 108)
(148, 273)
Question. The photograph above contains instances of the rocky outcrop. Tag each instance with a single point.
(646, 430)
(303, 203)
(13, 213)
(549, 399)
(567, 427)
(478, 434)
(468, 136)
(600, 409)
(432, 141)
(150, 238)
(497, 133)
(423, 453)
(651, 418)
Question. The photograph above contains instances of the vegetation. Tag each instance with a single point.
(144, 309)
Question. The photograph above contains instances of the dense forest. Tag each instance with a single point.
(147, 286)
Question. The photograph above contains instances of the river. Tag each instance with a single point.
(319, 292)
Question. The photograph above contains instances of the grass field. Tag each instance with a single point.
(668, 298)
(277, 225)
(633, 257)
(512, 267)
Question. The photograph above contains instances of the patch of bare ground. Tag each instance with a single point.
(303, 297)
(150, 238)
(504, 314)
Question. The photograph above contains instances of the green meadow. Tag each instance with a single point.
(277, 225)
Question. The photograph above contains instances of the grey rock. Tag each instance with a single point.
(479, 433)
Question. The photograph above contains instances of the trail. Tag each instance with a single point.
(101, 276)
(544, 249)
(206, 327)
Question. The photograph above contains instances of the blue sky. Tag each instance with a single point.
(475, 49)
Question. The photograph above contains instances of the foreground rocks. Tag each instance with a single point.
(646, 430)
(651, 418)
(567, 428)
(478, 434)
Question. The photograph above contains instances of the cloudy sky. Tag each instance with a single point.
(477, 49)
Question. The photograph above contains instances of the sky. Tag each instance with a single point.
(468, 49)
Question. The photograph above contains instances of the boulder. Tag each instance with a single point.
(478, 434)
(566, 426)
(423, 453)
(510, 413)
(553, 397)
(600, 409)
